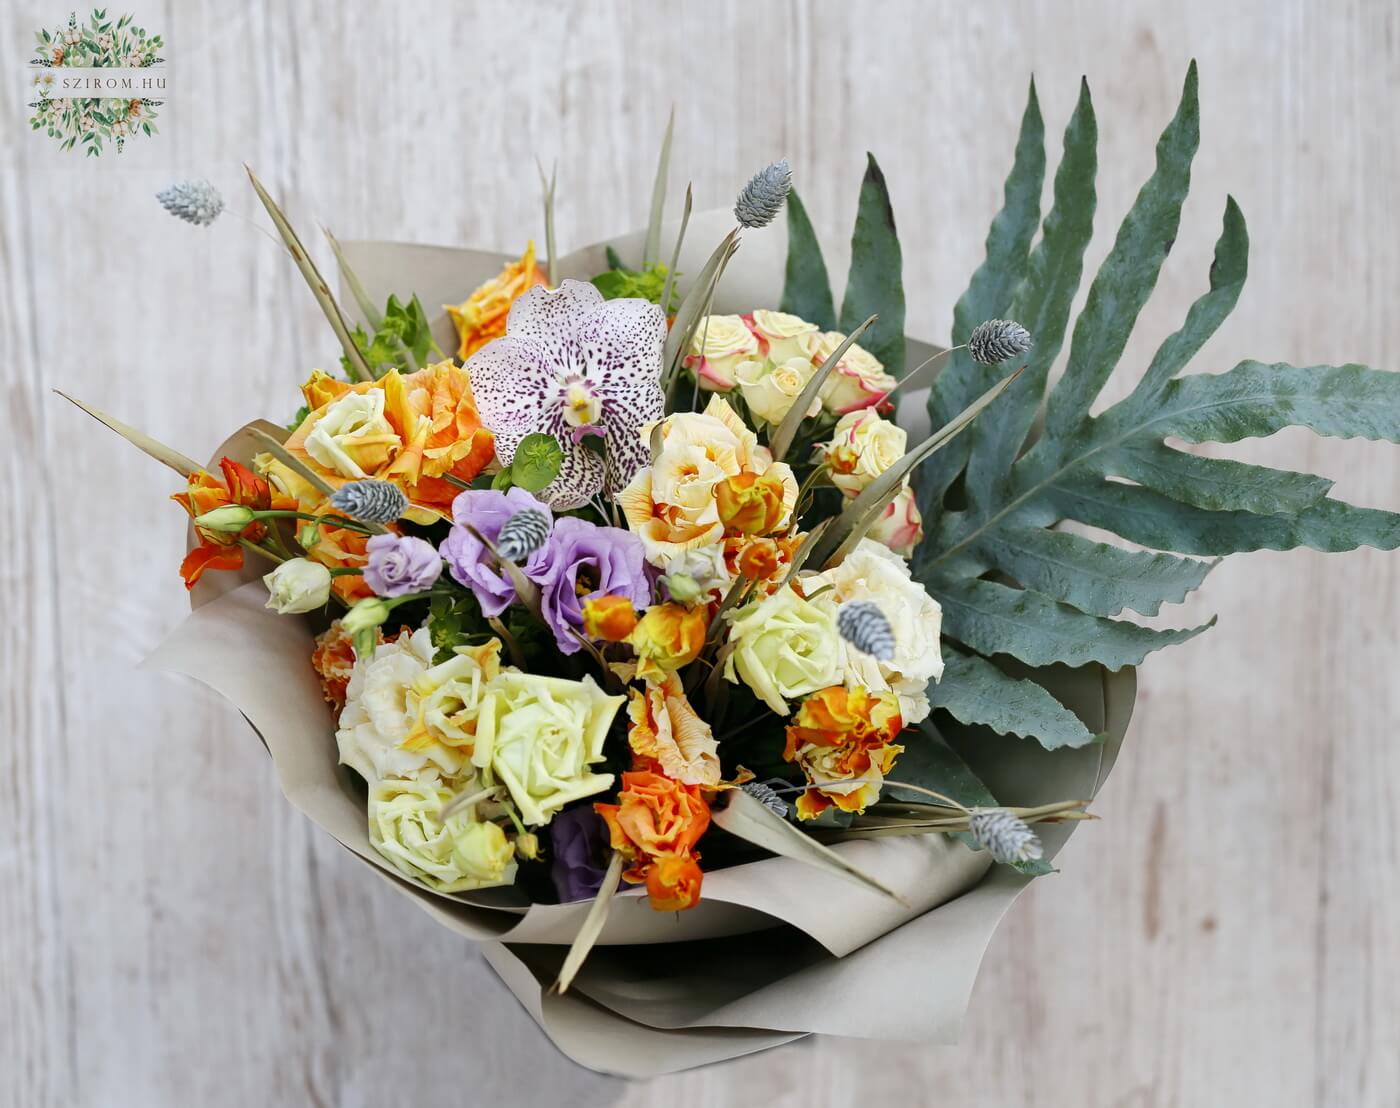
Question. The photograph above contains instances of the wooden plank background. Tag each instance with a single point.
(172, 933)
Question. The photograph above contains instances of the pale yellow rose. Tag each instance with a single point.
(451, 856)
(719, 344)
(353, 437)
(671, 505)
(770, 389)
(539, 735)
(381, 711)
(785, 334)
(859, 379)
(900, 526)
(448, 698)
(784, 647)
(874, 573)
(861, 448)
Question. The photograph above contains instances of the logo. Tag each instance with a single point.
(97, 85)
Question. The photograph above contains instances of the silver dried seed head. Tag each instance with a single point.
(196, 202)
(864, 626)
(523, 534)
(370, 501)
(1005, 836)
(762, 198)
(997, 340)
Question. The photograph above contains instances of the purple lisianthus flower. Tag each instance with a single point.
(469, 562)
(401, 564)
(582, 560)
(580, 840)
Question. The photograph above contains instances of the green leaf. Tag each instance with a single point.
(974, 690)
(1095, 577)
(536, 462)
(806, 286)
(1127, 276)
(992, 618)
(1217, 484)
(651, 249)
(646, 284)
(989, 293)
(875, 285)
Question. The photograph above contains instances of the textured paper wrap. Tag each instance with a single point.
(775, 949)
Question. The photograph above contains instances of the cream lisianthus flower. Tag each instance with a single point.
(859, 379)
(771, 388)
(784, 647)
(872, 572)
(298, 585)
(785, 334)
(353, 437)
(539, 735)
(450, 856)
(861, 448)
(719, 344)
(381, 714)
(671, 505)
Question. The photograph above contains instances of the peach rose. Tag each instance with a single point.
(481, 317)
(862, 446)
(610, 617)
(752, 504)
(668, 731)
(843, 740)
(859, 379)
(667, 637)
(719, 344)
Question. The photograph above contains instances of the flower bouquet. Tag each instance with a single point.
(724, 661)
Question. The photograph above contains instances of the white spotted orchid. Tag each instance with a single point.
(570, 365)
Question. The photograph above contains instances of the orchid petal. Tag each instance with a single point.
(512, 382)
(549, 319)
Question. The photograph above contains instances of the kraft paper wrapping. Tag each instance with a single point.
(817, 954)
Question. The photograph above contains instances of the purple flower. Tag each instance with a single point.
(469, 562)
(580, 840)
(581, 560)
(571, 364)
(400, 564)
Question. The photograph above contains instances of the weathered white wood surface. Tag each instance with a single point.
(171, 933)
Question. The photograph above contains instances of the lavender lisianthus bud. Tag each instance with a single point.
(400, 564)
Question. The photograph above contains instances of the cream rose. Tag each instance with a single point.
(670, 505)
(871, 572)
(785, 334)
(448, 856)
(447, 698)
(382, 712)
(770, 389)
(539, 736)
(719, 344)
(861, 448)
(784, 647)
(859, 379)
(900, 526)
(353, 436)
(298, 585)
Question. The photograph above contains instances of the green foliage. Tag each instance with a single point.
(296, 420)
(536, 462)
(403, 341)
(1009, 583)
(643, 284)
(453, 619)
(806, 287)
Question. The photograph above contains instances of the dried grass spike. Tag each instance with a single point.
(762, 198)
(1006, 837)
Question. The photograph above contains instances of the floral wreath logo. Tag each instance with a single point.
(95, 120)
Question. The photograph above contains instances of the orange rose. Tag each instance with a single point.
(673, 882)
(843, 739)
(667, 637)
(751, 504)
(667, 731)
(415, 430)
(333, 659)
(656, 819)
(610, 618)
(482, 316)
(204, 493)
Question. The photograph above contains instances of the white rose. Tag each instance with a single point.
(859, 379)
(770, 389)
(352, 427)
(784, 334)
(872, 572)
(861, 448)
(900, 526)
(298, 585)
(381, 713)
(719, 344)
(451, 856)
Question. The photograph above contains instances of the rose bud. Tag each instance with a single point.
(750, 504)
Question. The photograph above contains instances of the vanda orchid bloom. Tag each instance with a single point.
(570, 365)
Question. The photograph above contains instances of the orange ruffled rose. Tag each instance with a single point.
(415, 430)
(205, 492)
(655, 825)
(333, 659)
(843, 740)
(667, 637)
(481, 317)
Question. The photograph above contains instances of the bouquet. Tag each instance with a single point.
(634, 619)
